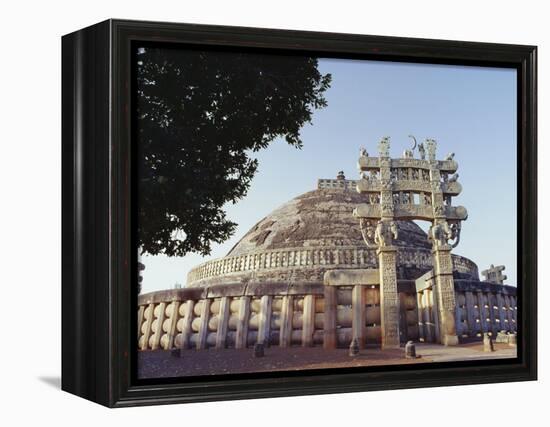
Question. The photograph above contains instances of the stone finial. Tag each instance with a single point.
(409, 153)
(341, 175)
(422, 151)
(494, 274)
(363, 152)
(384, 147)
(354, 348)
(431, 147)
(488, 345)
(259, 349)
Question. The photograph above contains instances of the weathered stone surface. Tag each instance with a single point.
(351, 277)
(318, 218)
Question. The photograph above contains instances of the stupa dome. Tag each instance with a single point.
(311, 234)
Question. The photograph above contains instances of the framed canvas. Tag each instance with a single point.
(257, 213)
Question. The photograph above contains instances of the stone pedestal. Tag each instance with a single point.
(389, 297)
(444, 294)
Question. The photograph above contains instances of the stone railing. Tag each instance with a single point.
(327, 258)
(231, 316)
(239, 315)
(480, 307)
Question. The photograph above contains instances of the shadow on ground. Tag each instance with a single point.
(54, 382)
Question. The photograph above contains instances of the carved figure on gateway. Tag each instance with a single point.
(385, 231)
(440, 233)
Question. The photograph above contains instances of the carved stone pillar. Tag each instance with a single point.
(444, 295)
(426, 313)
(434, 314)
(389, 298)
(420, 311)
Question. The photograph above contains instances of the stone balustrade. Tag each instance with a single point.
(317, 259)
(480, 307)
(231, 316)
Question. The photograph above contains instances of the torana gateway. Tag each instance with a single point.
(342, 262)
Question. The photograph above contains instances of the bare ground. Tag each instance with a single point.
(163, 364)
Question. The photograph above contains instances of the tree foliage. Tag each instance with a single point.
(201, 115)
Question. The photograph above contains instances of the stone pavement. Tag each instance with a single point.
(474, 351)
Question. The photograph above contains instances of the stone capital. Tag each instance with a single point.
(442, 248)
(382, 249)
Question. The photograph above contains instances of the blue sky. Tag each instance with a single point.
(470, 111)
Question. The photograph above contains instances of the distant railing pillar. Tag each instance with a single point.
(358, 302)
(241, 339)
(221, 334)
(308, 322)
(329, 337)
(264, 326)
(203, 328)
(158, 329)
(186, 326)
(285, 332)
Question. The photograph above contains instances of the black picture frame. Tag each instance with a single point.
(99, 259)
